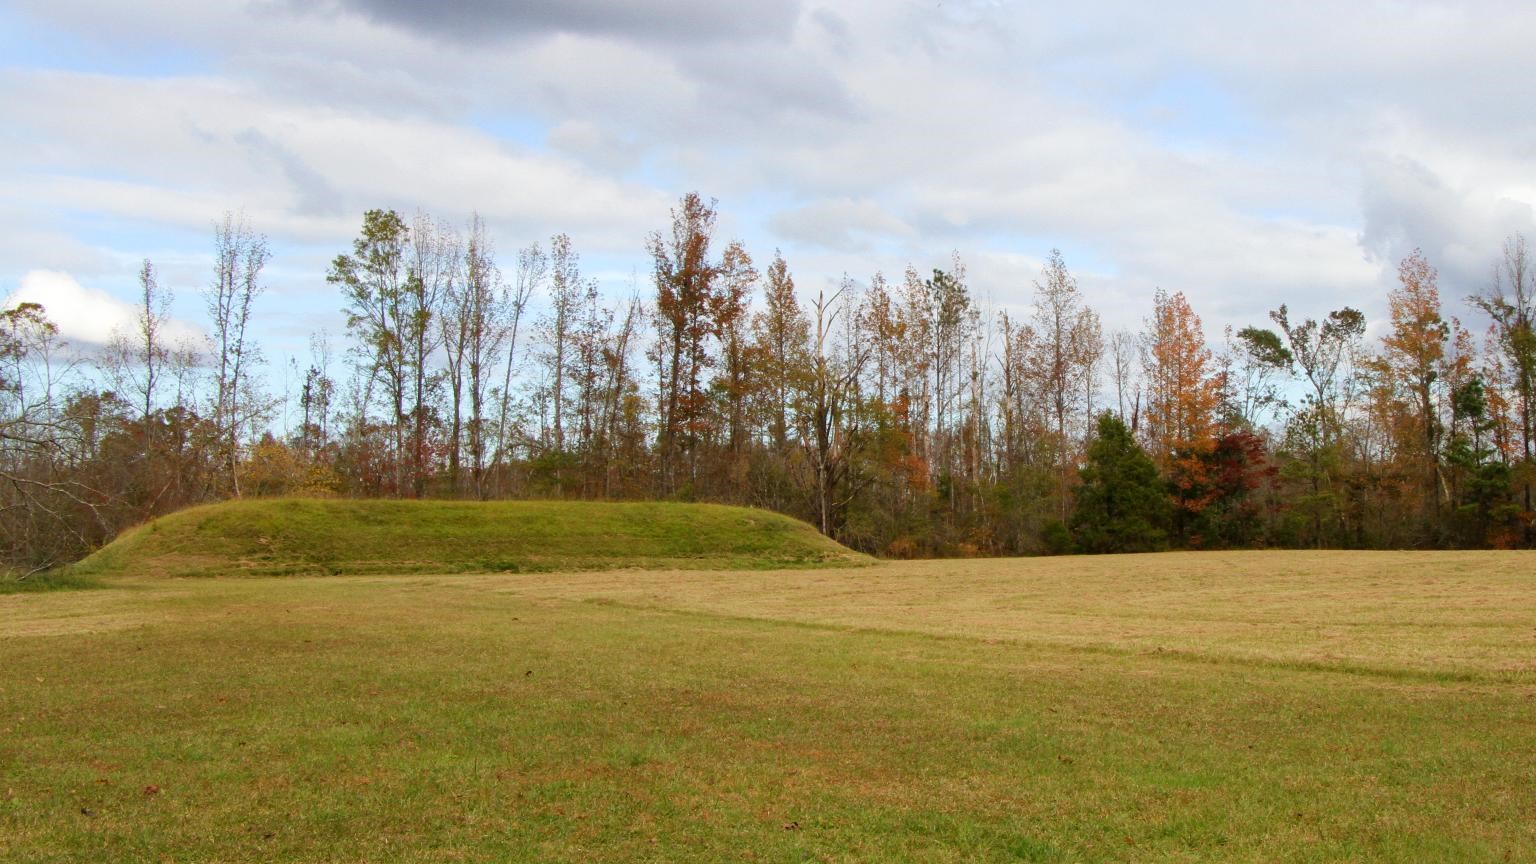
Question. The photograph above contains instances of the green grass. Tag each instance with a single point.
(1243, 707)
(328, 537)
(55, 580)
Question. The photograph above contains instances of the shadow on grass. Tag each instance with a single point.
(54, 581)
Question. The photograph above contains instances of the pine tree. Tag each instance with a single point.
(1121, 504)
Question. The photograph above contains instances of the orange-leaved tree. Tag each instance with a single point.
(1411, 359)
(1182, 398)
(686, 282)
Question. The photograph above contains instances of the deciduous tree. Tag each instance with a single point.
(240, 255)
(1411, 358)
(685, 275)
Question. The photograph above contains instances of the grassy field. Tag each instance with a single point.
(1240, 707)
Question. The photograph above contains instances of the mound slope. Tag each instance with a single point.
(310, 536)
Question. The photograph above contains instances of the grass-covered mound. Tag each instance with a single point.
(309, 536)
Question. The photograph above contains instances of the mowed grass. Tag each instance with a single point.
(1238, 707)
(307, 536)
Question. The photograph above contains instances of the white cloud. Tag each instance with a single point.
(1248, 154)
(842, 224)
(87, 316)
(186, 149)
(1457, 221)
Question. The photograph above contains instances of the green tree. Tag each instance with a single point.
(373, 281)
(1122, 505)
(1312, 452)
(1511, 303)
(1481, 485)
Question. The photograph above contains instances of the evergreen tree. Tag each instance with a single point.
(1122, 505)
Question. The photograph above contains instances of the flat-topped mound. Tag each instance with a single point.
(314, 536)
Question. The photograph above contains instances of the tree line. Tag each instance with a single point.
(899, 414)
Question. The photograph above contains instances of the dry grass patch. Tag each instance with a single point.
(1456, 614)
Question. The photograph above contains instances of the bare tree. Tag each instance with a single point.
(47, 516)
(239, 257)
(1123, 359)
(950, 322)
(474, 331)
(433, 268)
(1067, 345)
(532, 270)
(623, 437)
(136, 362)
(317, 395)
(569, 294)
(828, 424)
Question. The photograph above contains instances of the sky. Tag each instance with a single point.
(1247, 154)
